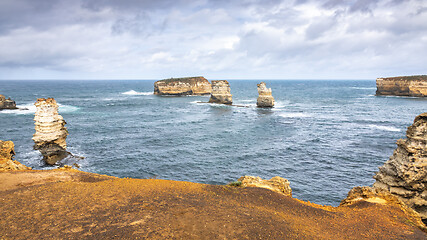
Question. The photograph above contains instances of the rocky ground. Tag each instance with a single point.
(69, 204)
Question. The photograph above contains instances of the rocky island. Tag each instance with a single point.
(265, 99)
(183, 86)
(413, 86)
(51, 132)
(7, 103)
(221, 92)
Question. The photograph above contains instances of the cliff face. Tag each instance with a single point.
(183, 86)
(265, 99)
(405, 173)
(221, 92)
(7, 103)
(415, 86)
(51, 132)
(7, 151)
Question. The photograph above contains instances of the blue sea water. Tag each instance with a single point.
(325, 137)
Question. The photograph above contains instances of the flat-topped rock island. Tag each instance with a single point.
(183, 86)
(411, 86)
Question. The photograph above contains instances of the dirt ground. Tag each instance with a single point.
(69, 204)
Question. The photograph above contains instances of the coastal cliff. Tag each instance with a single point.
(7, 103)
(265, 99)
(183, 86)
(7, 152)
(221, 92)
(51, 132)
(405, 173)
(414, 86)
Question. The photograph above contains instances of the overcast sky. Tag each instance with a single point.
(218, 39)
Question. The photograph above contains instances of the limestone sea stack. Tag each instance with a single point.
(7, 103)
(265, 99)
(51, 132)
(183, 86)
(7, 152)
(405, 173)
(413, 86)
(221, 92)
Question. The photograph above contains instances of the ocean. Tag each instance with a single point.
(325, 137)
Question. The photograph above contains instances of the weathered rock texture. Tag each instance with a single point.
(7, 151)
(7, 103)
(51, 132)
(415, 86)
(405, 173)
(183, 86)
(276, 184)
(265, 99)
(221, 92)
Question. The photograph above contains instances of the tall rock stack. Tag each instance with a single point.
(221, 92)
(51, 132)
(405, 173)
(265, 99)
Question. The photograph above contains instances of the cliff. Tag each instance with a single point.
(7, 103)
(265, 99)
(221, 92)
(51, 132)
(405, 173)
(69, 204)
(183, 86)
(7, 151)
(414, 86)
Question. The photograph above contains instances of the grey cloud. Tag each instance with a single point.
(142, 24)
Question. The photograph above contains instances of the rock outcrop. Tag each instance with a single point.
(51, 132)
(7, 151)
(183, 86)
(405, 173)
(221, 92)
(7, 103)
(265, 99)
(276, 184)
(414, 86)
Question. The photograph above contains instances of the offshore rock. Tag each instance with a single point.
(221, 92)
(7, 151)
(405, 173)
(265, 99)
(7, 103)
(414, 86)
(183, 86)
(51, 132)
(276, 184)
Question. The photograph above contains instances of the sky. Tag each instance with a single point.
(217, 39)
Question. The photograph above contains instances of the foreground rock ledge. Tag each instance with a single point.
(69, 204)
(413, 86)
(183, 86)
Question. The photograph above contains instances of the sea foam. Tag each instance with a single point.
(384, 128)
(133, 92)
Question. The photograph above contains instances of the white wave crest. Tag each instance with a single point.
(295, 115)
(31, 109)
(384, 128)
(133, 92)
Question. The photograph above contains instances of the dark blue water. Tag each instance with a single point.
(324, 136)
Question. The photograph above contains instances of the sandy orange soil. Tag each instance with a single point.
(69, 204)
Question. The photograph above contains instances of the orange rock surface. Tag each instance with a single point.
(69, 204)
(415, 86)
(183, 86)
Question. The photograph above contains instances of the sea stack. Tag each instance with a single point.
(405, 173)
(265, 99)
(412, 86)
(51, 132)
(7, 103)
(221, 92)
(183, 86)
(7, 152)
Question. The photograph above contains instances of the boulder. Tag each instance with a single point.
(265, 99)
(7, 151)
(414, 86)
(51, 132)
(405, 174)
(7, 103)
(183, 86)
(221, 92)
(276, 184)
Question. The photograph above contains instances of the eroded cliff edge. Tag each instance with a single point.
(183, 86)
(414, 86)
